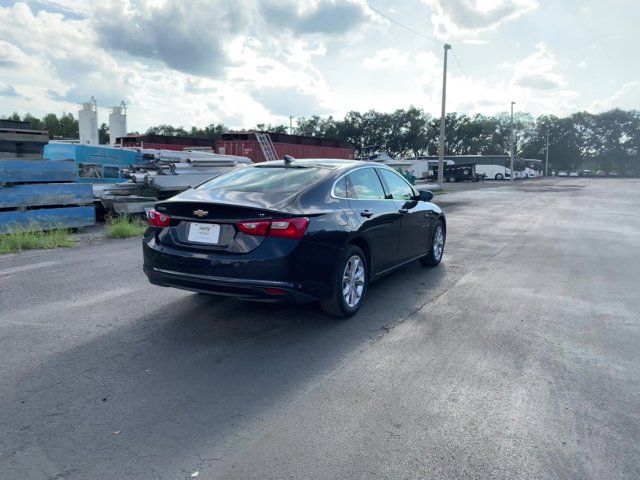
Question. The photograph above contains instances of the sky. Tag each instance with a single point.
(244, 62)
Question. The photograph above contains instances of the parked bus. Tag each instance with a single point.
(493, 171)
(497, 167)
(533, 167)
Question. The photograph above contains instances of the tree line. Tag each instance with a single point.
(605, 141)
(63, 127)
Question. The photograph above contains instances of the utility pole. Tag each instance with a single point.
(512, 140)
(546, 164)
(290, 124)
(442, 118)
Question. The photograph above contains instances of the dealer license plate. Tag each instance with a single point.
(204, 232)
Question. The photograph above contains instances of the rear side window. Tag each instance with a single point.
(340, 190)
(364, 184)
(266, 179)
(398, 187)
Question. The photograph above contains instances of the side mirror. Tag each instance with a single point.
(425, 196)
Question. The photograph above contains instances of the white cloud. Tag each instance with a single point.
(532, 82)
(69, 8)
(335, 17)
(538, 71)
(455, 17)
(193, 37)
(475, 42)
(628, 96)
(8, 90)
(12, 56)
(386, 58)
(428, 68)
(165, 59)
(243, 63)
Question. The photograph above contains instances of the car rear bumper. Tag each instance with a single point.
(257, 290)
(274, 272)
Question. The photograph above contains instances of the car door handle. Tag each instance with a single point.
(366, 213)
(403, 211)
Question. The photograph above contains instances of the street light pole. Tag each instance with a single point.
(546, 164)
(512, 139)
(442, 118)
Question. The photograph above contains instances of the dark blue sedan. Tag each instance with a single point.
(294, 230)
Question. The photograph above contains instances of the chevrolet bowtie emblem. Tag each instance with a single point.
(200, 213)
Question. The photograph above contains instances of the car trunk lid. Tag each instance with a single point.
(217, 223)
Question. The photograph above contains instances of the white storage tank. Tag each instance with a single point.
(88, 123)
(117, 122)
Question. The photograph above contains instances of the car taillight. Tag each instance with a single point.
(260, 227)
(293, 228)
(157, 219)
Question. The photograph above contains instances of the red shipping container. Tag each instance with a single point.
(246, 144)
(166, 142)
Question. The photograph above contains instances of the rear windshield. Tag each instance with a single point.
(266, 179)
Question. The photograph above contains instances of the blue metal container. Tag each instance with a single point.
(41, 195)
(94, 164)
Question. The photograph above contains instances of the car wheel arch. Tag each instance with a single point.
(444, 222)
(364, 246)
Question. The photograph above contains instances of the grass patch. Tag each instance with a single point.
(22, 239)
(125, 227)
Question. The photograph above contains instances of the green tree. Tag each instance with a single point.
(169, 130)
(68, 126)
(272, 128)
(15, 116)
(607, 141)
(51, 124)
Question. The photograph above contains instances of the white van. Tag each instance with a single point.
(493, 172)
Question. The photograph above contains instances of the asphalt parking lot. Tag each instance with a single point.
(516, 358)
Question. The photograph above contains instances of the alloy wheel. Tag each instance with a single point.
(353, 280)
(438, 243)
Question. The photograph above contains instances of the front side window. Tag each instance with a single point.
(398, 187)
(364, 184)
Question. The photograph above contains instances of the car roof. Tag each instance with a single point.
(330, 163)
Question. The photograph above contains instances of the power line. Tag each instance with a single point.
(455, 57)
(408, 29)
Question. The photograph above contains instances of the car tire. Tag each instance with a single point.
(499, 176)
(436, 249)
(337, 303)
(452, 179)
